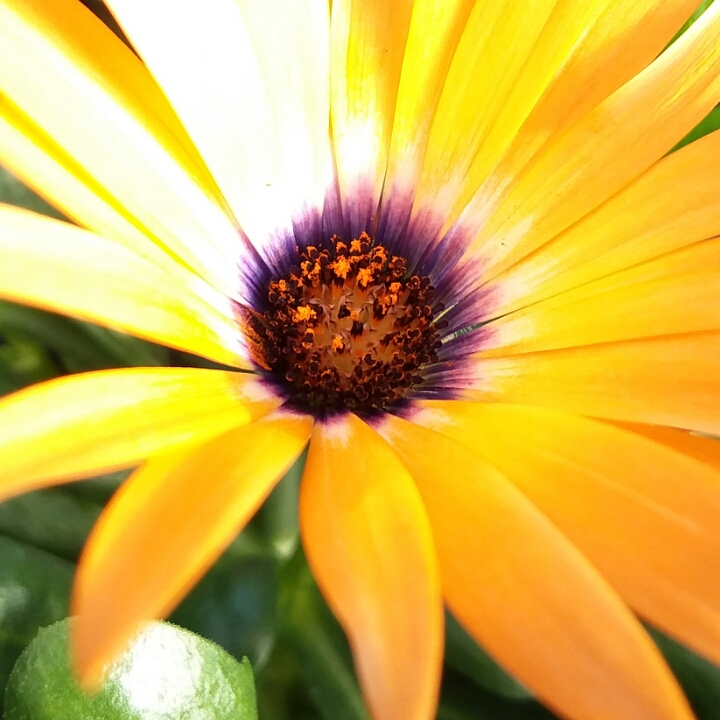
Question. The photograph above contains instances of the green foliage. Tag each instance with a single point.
(465, 656)
(235, 606)
(34, 591)
(167, 672)
(699, 678)
(52, 520)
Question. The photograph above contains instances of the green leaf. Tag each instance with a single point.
(10, 379)
(77, 345)
(463, 700)
(34, 591)
(25, 362)
(167, 674)
(311, 632)
(278, 517)
(14, 192)
(699, 678)
(99, 489)
(235, 605)
(464, 655)
(51, 520)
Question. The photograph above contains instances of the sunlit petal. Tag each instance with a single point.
(166, 525)
(527, 594)
(368, 43)
(82, 425)
(676, 293)
(60, 267)
(43, 165)
(369, 546)
(644, 514)
(250, 81)
(90, 95)
(672, 205)
(669, 380)
(435, 30)
(557, 85)
(608, 148)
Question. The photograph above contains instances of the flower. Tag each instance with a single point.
(473, 197)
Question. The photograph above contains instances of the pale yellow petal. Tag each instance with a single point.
(91, 96)
(676, 293)
(250, 81)
(555, 87)
(674, 204)
(44, 166)
(82, 425)
(435, 30)
(367, 47)
(57, 266)
(496, 45)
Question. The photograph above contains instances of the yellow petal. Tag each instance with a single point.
(82, 425)
(166, 525)
(90, 95)
(676, 293)
(674, 204)
(555, 87)
(435, 29)
(527, 594)
(257, 106)
(368, 43)
(30, 155)
(643, 513)
(704, 449)
(57, 266)
(495, 47)
(603, 152)
(669, 380)
(369, 546)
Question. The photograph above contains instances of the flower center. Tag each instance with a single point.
(347, 328)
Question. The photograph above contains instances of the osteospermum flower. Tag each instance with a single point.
(444, 245)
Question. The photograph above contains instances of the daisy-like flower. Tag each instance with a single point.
(442, 242)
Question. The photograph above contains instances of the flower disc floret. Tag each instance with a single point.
(348, 326)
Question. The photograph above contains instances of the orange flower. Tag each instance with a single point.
(504, 383)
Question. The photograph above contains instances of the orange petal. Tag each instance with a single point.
(527, 594)
(369, 546)
(676, 293)
(82, 425)
(674, 204)
(643, 513)
(60, 267)
(88, 94)
(669, 380)
(607, 149)
(367, 47)
(166, 525)
(704, 449)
